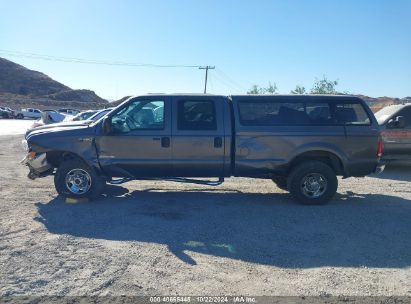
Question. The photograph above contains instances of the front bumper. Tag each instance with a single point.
(38, 165)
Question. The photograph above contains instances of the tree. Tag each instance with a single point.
(298, 90)
(324, 86)
(271, 89)
(255, 89)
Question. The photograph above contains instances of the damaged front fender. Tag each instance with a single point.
(38, 164)
(48, 148)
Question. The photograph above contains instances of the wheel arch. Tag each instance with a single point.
(328, 157)
(56, 158)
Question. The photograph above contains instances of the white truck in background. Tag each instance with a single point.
(28, 113)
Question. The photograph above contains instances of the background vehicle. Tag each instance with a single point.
(49, 117)
(48, 123)
(300, 142)
(83, 115)
(99, 114)
(69, 111)
(395, 122)
(6, 112)
(28, 113)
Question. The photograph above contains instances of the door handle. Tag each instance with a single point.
(165, 142)
(218, 142)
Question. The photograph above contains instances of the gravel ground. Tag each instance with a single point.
(244, 237)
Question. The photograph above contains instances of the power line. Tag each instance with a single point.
(92, 61)
(229, 79)
(226, 83)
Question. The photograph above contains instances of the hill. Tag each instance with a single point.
(18, 80)
(380, 102)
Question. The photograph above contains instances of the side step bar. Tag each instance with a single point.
(195, 181)
(174, 179)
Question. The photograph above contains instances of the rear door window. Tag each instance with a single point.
(196, 115)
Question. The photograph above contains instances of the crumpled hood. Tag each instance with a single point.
(56, 127)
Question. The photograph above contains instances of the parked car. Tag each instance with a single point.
(69, 111)
(41, 125)
(99, 114)
(28, 113)
(6, 112)
(83, 115)
(300, 142)
(395, 122)
(49, 117)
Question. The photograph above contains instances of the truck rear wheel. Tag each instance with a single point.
(312, 183)
(76, 179)
(19, 116)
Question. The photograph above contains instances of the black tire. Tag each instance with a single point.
(20, 116)
(67, 169)
(281, 182)
(312, 183)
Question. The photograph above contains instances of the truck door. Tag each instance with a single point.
(198, 137)
(140, 140)
(397, 141)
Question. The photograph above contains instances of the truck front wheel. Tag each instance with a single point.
(76, 179)
(312, 183)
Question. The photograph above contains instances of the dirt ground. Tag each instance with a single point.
(245, 237)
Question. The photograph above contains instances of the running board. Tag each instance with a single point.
(174, 179)
(195, 181)
(119, 181)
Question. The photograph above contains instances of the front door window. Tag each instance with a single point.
(139, 115)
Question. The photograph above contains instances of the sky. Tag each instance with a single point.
(365, 45)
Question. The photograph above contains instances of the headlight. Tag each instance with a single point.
(25, 145)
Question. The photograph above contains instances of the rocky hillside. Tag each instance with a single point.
(381, 102)
(18, 80)
(119, 101)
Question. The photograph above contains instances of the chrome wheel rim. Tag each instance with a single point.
(313, 185)
(78, 181)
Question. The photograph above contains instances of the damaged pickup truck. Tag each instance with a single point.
(301, 142)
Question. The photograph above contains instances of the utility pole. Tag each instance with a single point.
(207, 67)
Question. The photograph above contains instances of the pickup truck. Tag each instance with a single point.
(301, 142)
(28, 113)
(395, 123)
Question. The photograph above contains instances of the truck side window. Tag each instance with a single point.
(406, 113)
(196, 115)
(271, 113)
(319, 113)
(351, 114)
(139, 115)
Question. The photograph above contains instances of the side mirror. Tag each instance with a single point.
(107, 125)
(396, 123)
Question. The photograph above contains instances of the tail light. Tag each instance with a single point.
(379, 148)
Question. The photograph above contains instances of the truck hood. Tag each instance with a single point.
(60, 129)
(56, 127)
